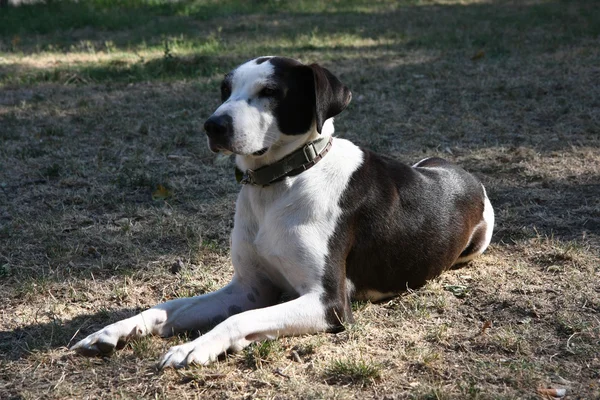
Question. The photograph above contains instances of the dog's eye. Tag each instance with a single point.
(225, 93)
(267, 92)
(225, 89)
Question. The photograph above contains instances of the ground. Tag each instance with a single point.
(110, 201)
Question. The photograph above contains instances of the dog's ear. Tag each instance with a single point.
(331, 96)
(310, 90)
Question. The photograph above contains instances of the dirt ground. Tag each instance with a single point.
(110, 201)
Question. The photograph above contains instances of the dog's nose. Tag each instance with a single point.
(218, 125)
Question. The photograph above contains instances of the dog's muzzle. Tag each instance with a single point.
(219, 130)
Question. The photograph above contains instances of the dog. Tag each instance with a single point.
(319, 221)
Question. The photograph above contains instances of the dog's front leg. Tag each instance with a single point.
(306, 314)
(192, 313)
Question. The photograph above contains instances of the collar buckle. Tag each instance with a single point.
(247, 177)
(244, 177)
(310, 152)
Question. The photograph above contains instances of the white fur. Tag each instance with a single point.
(488, 217)
(302, 315)
(421, 162)
(253, 124)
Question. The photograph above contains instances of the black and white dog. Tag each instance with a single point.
(319, 220)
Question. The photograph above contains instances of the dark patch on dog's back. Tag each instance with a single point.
(400, 226)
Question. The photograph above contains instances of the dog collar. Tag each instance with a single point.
(291, 165)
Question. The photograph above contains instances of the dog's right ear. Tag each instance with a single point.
(331, 95)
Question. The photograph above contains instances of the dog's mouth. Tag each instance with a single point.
(221, 149)
(216, 148)
(260, 152)
(219, 146)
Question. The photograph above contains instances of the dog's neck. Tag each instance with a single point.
(283, 147)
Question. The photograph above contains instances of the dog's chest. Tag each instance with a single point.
(282, 235)
(283, 230)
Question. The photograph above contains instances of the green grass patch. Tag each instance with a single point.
(260, 353)
(352, 371)
(111, 15)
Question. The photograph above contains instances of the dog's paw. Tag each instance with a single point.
(100, 343)
(189, 353)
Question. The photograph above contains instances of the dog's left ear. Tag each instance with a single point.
(331, 96)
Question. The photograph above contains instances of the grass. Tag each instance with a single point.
(258, 354)
(103, 101)
(357, 372)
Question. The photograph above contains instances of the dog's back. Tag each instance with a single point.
(404, 225)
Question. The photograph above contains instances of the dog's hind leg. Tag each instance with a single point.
(482, 234)
(191, 313)
(305, 314)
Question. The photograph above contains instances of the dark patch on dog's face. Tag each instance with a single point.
(251, 298)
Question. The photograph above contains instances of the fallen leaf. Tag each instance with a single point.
(161, 193)
(479, 55)
(551, 393)
(485, 327)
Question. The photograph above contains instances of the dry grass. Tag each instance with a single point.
(90, 128)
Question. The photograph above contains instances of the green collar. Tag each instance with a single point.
(292, 164)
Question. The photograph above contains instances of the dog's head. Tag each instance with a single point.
(270, 100)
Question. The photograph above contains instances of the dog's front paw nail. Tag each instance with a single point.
(185, 355)
(175, 357)
(96, 344)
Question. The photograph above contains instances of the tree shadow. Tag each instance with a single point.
(500, 28)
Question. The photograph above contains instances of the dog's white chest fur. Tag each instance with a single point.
(285, 229)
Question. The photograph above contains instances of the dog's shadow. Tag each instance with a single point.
(35, 338)
(24, 341)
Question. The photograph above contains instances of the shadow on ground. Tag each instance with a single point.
(30, 339)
